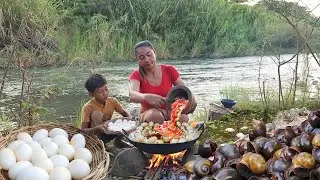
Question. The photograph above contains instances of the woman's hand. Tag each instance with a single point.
(155, 100)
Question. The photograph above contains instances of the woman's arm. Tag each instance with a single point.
(137, 97)
(179, 81)
(134, 92)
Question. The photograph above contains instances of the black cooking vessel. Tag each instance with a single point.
(165, 148)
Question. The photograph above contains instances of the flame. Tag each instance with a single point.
(169, 129)
(158, 158)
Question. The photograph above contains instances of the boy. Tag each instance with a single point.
(100, 108)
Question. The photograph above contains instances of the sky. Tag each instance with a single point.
(313, 5)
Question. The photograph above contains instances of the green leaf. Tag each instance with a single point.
(41, 111)
(26, 105)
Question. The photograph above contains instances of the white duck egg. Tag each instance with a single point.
(78, 141)
(83, 153)
(60, 140)
(118, 121)
(45, 164)
(14, 144)
(7, 158)
(60, 173)
(110, 123)
(67, 150)
(51, 149)
(23, 152)
(40, 134)
(38, 154)
(126, 128)
(59, 161)
(33, 173)
(132, 122)
(79, 169)
(16, 168)
(132, 126)
(43, 142)
(112, 128)
(58, 131)
(25, 137)
(34, 145)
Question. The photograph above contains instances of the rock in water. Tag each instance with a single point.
(129, 162)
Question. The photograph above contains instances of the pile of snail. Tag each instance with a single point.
(291, 153)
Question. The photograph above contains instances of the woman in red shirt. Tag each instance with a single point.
(151, 82)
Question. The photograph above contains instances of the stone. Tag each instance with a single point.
(230, 130)
(217, 111)
(128, 162)
(240, 135)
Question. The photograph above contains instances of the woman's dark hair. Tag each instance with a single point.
(95, 81)
(145, 43)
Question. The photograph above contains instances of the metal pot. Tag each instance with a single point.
(166, 148)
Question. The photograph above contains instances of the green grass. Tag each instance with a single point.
(107, 30)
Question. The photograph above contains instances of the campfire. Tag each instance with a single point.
(166, 167)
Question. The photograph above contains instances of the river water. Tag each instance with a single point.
(206, 78)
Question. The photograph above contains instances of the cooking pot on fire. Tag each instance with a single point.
(166, 148)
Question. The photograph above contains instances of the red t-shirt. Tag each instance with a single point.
(169, 76)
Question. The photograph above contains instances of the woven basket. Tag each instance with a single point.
(100, 158)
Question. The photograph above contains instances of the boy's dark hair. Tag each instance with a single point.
(95, 81)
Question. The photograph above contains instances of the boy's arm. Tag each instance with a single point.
(85, 122)
(98, 130)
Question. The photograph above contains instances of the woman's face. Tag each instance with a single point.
(146, 57)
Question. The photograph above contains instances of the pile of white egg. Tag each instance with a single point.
(46, 156)
(119, 124)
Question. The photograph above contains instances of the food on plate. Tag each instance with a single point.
(119, 124)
